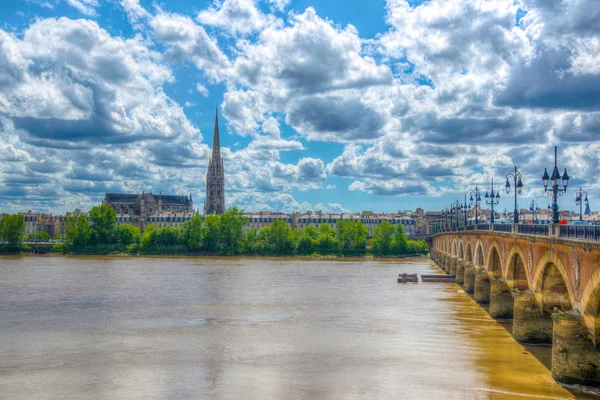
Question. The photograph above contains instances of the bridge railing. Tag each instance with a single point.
(470, 227)
(503, 227)
(535, 229)
(586, 232)
(483, 227)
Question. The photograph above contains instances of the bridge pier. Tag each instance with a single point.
(469, 278)
(529, 324)
(452, 269)
(460, 272)
(501, 299)
(482, 287)
(574, 357)
(447, 264)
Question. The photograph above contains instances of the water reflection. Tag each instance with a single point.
(231, 328)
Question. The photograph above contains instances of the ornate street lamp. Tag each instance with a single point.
(554, 190)
(579, 201)
(466, 208)
(457, 207)
(476, 200)
(492, 199)
(535, 210)
(516, 176)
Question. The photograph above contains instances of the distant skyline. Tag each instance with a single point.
(376, 105)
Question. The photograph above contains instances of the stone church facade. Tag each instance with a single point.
(147, 208)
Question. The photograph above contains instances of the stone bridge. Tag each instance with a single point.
(549, 286)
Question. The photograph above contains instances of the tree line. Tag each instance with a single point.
(224, 234)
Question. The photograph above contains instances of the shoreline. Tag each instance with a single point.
(191, 255)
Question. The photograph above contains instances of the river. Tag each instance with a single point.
(251, 328)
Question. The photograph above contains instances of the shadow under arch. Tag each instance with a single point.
(494, 263)
(479, 259)
(461, 251)
(516, 274)
(469, 254)
(551, 285)
(590, 305)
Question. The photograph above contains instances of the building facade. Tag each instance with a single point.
(259, 220)
(215, 177)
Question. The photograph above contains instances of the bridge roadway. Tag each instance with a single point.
(548, 285)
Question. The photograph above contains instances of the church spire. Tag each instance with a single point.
(216, 150)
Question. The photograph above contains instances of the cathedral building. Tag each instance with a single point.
(169, 210)
(144, 209)
(215, 177)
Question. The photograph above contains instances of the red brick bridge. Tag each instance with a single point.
(549, 286)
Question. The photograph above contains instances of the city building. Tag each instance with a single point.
(215, 177)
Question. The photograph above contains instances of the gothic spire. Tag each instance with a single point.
(216, 150)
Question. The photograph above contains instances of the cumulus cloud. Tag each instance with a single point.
(239, 17)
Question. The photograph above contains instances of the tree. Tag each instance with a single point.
(312, 232)
(128, 235)
(77, 229)
(212, 225)
(193, 233)
(306, 245)
(104, 220)
(280, 236)
(399, 242)
(149, 236)
(230, 230)
(352, 236)
(11, 230)
(383, 238)
(42, 236)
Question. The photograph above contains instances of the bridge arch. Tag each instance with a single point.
(590, 305)
(494, 262)
(461, 251)
(469, 253)
(454, 251)
(516, 273)
(479, 259)
(552, 285)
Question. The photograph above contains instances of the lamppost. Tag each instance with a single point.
(477, 199)
(466, 208)
(535, 209)
(446, 215)
(457, 207)
(492, 199)
(516, 176)
(554, 190)
(579, 201)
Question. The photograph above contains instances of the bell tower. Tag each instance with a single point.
(215, 177)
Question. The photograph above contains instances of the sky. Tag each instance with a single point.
(374, 105)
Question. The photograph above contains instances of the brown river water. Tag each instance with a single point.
(253, 328)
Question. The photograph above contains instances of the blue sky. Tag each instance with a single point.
(378, 105)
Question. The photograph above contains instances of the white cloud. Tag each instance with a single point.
(239, 17)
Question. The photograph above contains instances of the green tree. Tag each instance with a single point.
(326, 229)
(307, 244)
(230, 230)
(12, 231)
(128, 235)
(42, 236)
(327, 243)
(104, 221)
(149, 236)
(352, 236)
(383, 238)
(193, 233)
(312, 232)
(212, 225)
(77, 229)
(400, 241)
(281, 236)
